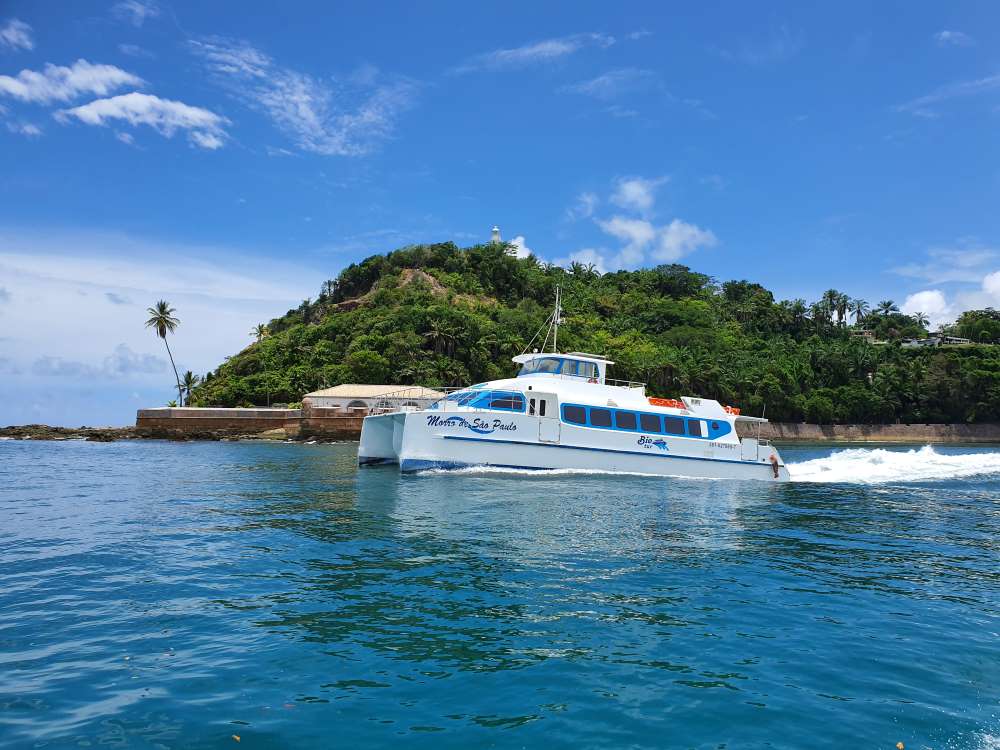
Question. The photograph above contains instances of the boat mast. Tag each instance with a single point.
(555, 322)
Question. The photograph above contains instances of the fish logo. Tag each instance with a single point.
(661, 444)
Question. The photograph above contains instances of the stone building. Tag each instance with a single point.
(354, 398)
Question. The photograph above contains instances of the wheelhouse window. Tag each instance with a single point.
(575, 414)
(673, 425)
(506, 401)
(694, 428)
(625, 420)
(586, 370)
(600, 417)
(546, 365)
(650, 423)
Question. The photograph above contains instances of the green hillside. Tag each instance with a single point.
(440, 315)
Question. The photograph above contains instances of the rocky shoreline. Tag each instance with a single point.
(114, 434)
(46, 432)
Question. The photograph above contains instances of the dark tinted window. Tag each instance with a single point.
(649, 422)
(575, 414)
(694, 428)
(715, 426)
(624, 420)
(509, 401)
(673, 426)
(600, 417)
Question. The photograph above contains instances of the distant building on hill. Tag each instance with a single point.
(353, 397)
(495, 236)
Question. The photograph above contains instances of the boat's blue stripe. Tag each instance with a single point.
(603, 450)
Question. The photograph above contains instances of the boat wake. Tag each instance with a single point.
(880, 466)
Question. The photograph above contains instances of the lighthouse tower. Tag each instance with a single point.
(495, 236)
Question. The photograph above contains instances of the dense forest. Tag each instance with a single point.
(440, 315)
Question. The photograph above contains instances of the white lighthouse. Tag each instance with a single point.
(495, 236)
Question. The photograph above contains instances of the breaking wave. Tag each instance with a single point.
(880, 466)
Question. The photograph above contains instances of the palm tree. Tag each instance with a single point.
(162, 321)
(189, 381)
(842, 303)
(886, 307)
(260, 331)
(921, 319)
(860, 309)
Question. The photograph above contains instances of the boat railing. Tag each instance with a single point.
(410, 398)
(607, 381)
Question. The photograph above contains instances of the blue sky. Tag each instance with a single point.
(230, 160)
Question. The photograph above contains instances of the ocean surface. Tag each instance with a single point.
(183, 595)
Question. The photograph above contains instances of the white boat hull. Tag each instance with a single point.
(429, 439)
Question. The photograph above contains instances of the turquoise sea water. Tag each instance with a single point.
(178, 594)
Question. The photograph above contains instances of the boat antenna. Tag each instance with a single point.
(551, 326)
(556, 320)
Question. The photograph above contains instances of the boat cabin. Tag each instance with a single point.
(590, 368)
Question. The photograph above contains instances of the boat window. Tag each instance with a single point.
(586, 369)
(575, 414)
(625, 420)
(650, 423)
(507, 401)
(548, 365)
(673, 425)
(600, 417)
(541, 408)
(694, 428)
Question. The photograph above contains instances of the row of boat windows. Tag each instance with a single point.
(559, 366)
(496, 400)
(588, 416)
(618, 419)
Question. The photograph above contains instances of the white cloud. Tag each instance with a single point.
(535, 53)
(205, 128)
(134, 50)
(584, 207)
(122, 362)
(16, 35)
(932, 303)
(345, 118)
(26, 129)
(587, 256)
(135, 12)
(521, 249)
(679, 238)
(780, 44)
(919, 106)
(991, 286)
(947, 38)
(59, 83)
(614, 83)
(636, 193)
(967, 264)
(637, 234)
(75, 306)
(125, 138)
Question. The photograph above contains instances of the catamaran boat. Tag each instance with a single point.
(562, 412)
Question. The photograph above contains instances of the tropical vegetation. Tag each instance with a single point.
(438, 315)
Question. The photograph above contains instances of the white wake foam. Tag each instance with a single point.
(879, 466)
